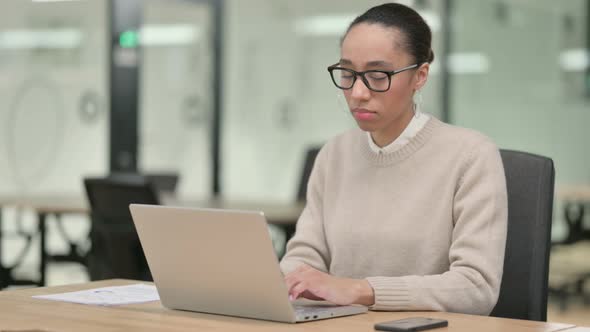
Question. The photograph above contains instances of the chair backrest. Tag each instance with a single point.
(116, 251)
(310, 156)
(162, 182)
(109, 197)
(530, 183)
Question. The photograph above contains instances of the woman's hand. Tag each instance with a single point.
(312, 284)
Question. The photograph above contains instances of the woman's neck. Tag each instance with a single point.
(388, 135)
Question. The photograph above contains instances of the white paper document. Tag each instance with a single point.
(107, 296)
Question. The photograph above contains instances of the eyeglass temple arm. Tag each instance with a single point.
(404, 69)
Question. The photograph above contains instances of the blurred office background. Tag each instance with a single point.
(231, 94)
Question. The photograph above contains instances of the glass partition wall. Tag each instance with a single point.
(518, 73)
(279, 99)
(523, 81)
(176, 92)
(54, 119)
(53, 87)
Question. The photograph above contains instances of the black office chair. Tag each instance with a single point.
(162, 182)
(310, 156)
(289, 230)
(116, 251)
(530, 182)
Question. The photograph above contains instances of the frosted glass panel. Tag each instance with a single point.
(176, 92)
(527, 99)
(53, 88)
(532, 94)
(279, 96)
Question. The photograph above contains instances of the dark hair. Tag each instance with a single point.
(417, 34)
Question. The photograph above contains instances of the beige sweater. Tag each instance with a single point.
(425, 225)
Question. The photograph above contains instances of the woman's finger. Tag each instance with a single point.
(296, 290)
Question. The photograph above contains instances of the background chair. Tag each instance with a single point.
(310, 156)
(530, 182)
(116, 251)
(162, 182)
(281, 234)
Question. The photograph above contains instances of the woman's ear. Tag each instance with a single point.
(421, 76)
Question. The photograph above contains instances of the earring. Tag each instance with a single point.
(417, 99)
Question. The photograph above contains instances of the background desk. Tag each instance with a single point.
(575, 199)
(284, 215)
(18, 311)
(569, 268)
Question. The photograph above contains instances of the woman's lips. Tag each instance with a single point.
(363, 114)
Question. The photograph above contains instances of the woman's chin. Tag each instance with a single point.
(364, 126)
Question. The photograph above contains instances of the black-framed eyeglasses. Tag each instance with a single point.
(375, 80)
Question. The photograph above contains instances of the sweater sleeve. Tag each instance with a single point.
(308, 245)
(476, 256)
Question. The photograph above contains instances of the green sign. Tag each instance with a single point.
(128, 39)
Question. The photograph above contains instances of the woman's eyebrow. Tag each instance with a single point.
(379, 63)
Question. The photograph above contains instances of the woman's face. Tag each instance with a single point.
(374, 47)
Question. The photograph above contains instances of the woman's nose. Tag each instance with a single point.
(360, 90)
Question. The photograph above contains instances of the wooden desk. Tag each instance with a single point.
(576, 201)
(18, 311)
(276, 213)
(573, 193)
(284, 215)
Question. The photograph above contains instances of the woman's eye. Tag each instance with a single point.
(377, 76)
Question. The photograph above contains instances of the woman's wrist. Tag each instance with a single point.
(365, 293)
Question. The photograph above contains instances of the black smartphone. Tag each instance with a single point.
(411, 324)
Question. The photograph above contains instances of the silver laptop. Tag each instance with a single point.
(220, 262)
